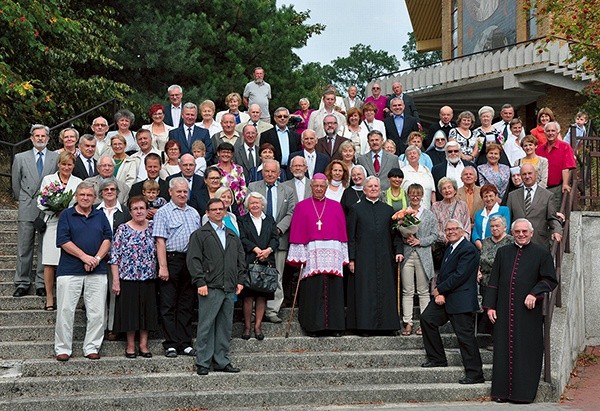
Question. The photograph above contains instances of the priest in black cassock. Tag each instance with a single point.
(521, 274)
(373, 249)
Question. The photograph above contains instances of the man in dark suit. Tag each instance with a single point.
(330, 144)
(541, 211)
(445, 124)
(378, 162)
(455, 300)
(173, 111)
(85, 163)
(28, 170)
(315, 162)
(399, 125)
(188, 132)
(408, 101)
(451, 168)
(187, 164)
(246, 151)
(282, 138)
(152, 164)
(280, 203)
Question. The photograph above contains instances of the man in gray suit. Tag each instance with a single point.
(28, 169)
(299, 183)
(535, 204)
(378, 162)
(352, 100)
(280, 205)
(246, 151)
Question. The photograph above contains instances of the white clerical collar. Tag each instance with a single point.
(372, 201)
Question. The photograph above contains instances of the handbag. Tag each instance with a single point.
(39, 224)
(261, 278)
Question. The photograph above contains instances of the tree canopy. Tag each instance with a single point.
(52, 65)
(415, 58)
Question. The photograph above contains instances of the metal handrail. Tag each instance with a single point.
(14, 146)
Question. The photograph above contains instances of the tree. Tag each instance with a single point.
(53, 57)
(210, 48)
(578, 22)
(416, 59)
(361, 65)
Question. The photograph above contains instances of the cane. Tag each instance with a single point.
(398, 291)
(289, 324)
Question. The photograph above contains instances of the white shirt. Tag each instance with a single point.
(311, 161)
(455, 172)
(176, 115)
(300, 187)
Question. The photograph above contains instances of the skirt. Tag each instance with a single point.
(136, 307)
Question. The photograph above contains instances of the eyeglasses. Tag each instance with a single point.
(453, 151)
(100, 125)
(110, 189)
(375, 88)
(216, 209)
(213, 178)
(450, 229)
(105, 165)
(282, 116)
(159, 113)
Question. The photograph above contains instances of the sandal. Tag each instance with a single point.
(49, 308)
(407, 330)
(419, 331)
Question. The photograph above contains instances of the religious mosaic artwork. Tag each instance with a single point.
(488, 24)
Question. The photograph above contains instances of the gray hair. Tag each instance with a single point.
(124, 113)
(411, 148)
(173, 87)
(87, 137)
(446, 180)
(329, 116)
(554, 123)
(107, 183)
(255, 194)
(85, 185)
(374, 132)
(38, 127)
(280, 109)
(178, 180)
(486, 109)
(112, 161)
(469, 168)
(500, 217)
(190, 105)
(305, 100)
(457, 222)
(372, 178)
(521, 220)
(271, 161)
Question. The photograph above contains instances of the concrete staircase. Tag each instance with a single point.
(276, 373)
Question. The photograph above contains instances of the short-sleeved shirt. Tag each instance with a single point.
(259, 94)
(560, 157)
(87, 233)
(175, 225)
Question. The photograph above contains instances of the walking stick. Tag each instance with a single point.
(398, 291)
(289, 324)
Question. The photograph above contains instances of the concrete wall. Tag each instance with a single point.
(577, 323)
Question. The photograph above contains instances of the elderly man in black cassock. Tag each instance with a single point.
(372, 249)
(521, 274)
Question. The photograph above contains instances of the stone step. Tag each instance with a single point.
(7, 275)
(28, 302)
(27, 332)
(8, 248)
(264, 361)
(9, 214)
(10, 260)
(7, 288)
(265, 398)
(187, 381)
(15, 350)
(8, 225)
(8, 235)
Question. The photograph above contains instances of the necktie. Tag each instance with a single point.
(528, 200)
(270, 200)
(189, 137)
(251, 156)
(255, 125)
(90, 168)
(376, 164)
(331, 143)
(40, 163)
(505, 132)
(189, 188)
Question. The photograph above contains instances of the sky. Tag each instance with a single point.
(382, 24)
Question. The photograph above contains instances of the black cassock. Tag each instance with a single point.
(518, 332)
(372, 299)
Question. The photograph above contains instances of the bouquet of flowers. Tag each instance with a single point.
(406, 222)
(53, 197)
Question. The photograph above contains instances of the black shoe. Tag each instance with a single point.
(202, 370)
(228, 368)
(246, 336)
(469, 380)
(259, 335)
(336, 334)
(40, 292)
(501, 400)
(432, 364)
(21, 291)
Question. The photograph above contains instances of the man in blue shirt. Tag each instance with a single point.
(84, 235)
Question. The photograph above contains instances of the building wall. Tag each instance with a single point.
(564, 103)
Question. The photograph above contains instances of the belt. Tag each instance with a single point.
(174, 253)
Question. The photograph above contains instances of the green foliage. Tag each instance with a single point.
(53, 64)
(210, 48)
(416, 59)
(359, 67)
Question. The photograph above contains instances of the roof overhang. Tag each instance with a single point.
(426, 19)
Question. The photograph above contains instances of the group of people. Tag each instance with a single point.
(181, 208)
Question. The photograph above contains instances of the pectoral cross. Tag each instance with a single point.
(319, 224)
